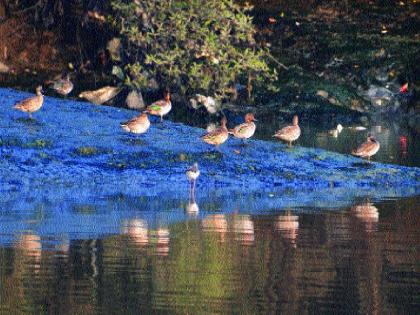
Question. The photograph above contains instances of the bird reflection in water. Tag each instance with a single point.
(30, 245)
(137, 230)
(216, 223)
(243, 227)
(368, 214)
(161, 237)
(288, 225)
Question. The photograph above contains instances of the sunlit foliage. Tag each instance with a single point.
(194, 46)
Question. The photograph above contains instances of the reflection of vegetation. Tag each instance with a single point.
(202, 45)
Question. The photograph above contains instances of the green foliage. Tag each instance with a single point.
(195, 46)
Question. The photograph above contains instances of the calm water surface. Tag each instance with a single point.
(361, 259)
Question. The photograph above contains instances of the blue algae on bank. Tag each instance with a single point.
(74, 154)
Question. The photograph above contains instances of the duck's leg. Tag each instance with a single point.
(30, 115)
(161, 118)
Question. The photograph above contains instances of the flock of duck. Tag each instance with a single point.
(141, 123)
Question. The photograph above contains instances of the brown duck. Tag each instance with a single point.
(31, 104)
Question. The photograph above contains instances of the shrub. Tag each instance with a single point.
(195, 46)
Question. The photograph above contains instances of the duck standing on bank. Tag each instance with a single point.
(161, 107)
(368, 148)
(218, 136)
(289, 133)
(62, 86)
(139, 124)
(245, 130)
(31, 104)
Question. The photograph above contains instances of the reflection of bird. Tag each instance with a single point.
(137, 230)
(245, 130)
(288, 226)
(162, 241)
(368, 148)
(62, 86)
(289, 133)
(139, 124)
(31, 104)
(192, 208)
(101, 95)
(243, 227)
(218, 136)
(161, 107)
(31, 246)
(367, 213)
(215, 223)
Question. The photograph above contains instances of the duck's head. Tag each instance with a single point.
(194, 168)
(39, 90)
(295, 120)
(143, 116)
(371, 138)
(249, 117)
(167, 96)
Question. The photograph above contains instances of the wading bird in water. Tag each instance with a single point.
(192, 174)
(289, 133)
(368, 148)
(31, 104)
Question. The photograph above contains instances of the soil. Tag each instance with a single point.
(23, 47)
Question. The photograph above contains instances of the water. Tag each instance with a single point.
(358, 259)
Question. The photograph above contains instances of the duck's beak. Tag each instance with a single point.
(254, 119)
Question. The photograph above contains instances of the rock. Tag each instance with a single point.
(380, 53)
(333, 101)
(4, 68)
(322, 93)
(379, 96)
(135, 100)
(209, 103)
(101, 95)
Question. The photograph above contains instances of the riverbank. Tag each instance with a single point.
(81, 145)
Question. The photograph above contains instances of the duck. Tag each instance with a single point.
(139, 124)
(245, 130)
(31, 104)
(218, 136)
(62, 86)
(368, 148)
(101, 95)
(161, 107)
(289, 133)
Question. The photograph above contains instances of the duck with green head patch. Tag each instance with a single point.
(161, 107)
(245, 130)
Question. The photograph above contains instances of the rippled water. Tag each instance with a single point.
(362, 259)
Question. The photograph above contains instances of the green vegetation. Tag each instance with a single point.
(87, 151)
(196, 46)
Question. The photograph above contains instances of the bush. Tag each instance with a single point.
(194, 46)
